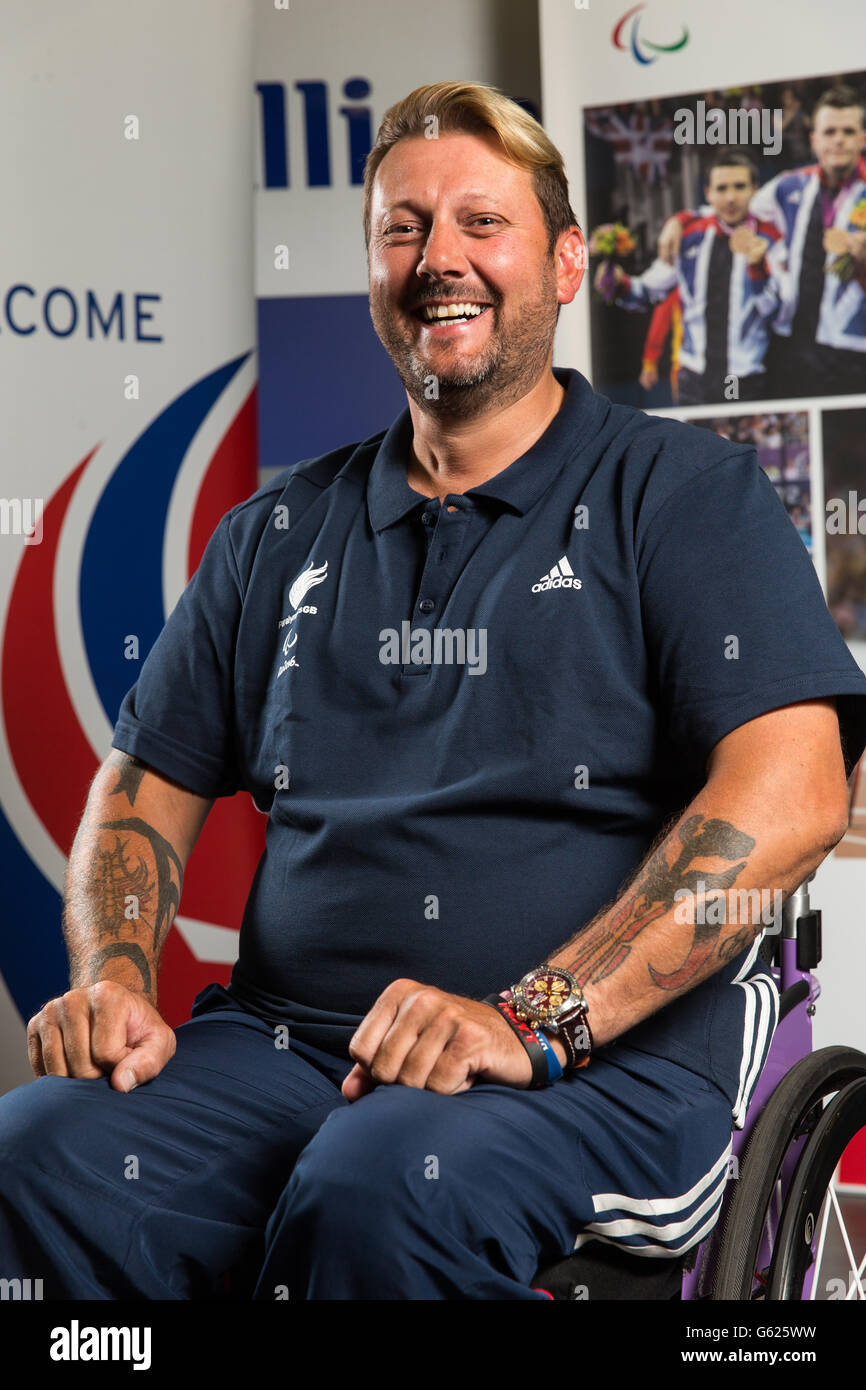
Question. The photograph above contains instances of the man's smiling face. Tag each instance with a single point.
(728, 190)
(455, 223)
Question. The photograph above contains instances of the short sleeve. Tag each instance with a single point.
(735, 620)
(179, 715)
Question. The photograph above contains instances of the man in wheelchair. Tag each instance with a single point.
(496, 994)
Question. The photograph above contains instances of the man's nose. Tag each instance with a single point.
(443, 250)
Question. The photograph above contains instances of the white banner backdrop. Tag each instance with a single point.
(595, 53)
(127, 370)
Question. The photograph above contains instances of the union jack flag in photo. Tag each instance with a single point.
(641, 141)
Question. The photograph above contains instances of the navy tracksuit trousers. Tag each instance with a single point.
(242, 1167)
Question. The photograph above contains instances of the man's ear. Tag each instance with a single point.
(572, 260)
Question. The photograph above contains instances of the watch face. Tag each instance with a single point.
(546, 992)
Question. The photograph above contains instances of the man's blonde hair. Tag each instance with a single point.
(473, 108)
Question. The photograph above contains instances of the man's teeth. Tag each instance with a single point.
(432, 312)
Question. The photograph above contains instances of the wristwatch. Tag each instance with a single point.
(550, 997)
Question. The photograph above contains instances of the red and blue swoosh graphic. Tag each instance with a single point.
(121, 536)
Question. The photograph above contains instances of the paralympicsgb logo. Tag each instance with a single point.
(305, 581)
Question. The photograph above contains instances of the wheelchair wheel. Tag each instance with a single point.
(750, 1242)
(797, 1260)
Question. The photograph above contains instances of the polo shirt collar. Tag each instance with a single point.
(519, 486)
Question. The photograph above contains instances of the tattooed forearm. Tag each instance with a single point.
(129, 775)
(652, 896)
(123, 887)
(120, 871)
(121, 949)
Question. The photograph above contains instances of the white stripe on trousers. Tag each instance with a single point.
(759, 1024)
(760, 1018)
(674, 1237)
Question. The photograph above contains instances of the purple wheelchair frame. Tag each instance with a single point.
(791, 1041)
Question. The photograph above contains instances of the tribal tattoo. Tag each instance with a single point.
(132, 951)
(653, 896)
(124, 869)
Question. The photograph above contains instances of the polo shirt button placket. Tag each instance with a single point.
(443, 550)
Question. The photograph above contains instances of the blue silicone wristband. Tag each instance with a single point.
(554, 1066)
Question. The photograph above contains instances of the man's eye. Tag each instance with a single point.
(400, 227)
(484, 218)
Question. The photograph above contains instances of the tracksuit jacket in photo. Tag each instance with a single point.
(727, 305)
(802, 208)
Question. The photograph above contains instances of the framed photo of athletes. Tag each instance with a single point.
(727, 234)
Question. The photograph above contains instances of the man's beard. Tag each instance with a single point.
(466, 384)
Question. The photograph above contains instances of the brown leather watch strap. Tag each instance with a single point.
(577, 1040)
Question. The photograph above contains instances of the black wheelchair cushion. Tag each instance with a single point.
(603, 1271)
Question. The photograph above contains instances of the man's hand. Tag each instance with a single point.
(669, 240)
(103, 1027)
(757, 250)
(857, 245)
(420, 1036)
(605, 269)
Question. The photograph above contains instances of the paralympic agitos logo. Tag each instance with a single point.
(627, 37)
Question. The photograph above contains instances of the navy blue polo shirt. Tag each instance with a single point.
(467, 722)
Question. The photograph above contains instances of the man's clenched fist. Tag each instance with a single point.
(420, 1036)
(97, 1029)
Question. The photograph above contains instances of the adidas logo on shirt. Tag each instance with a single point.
(560, 577)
